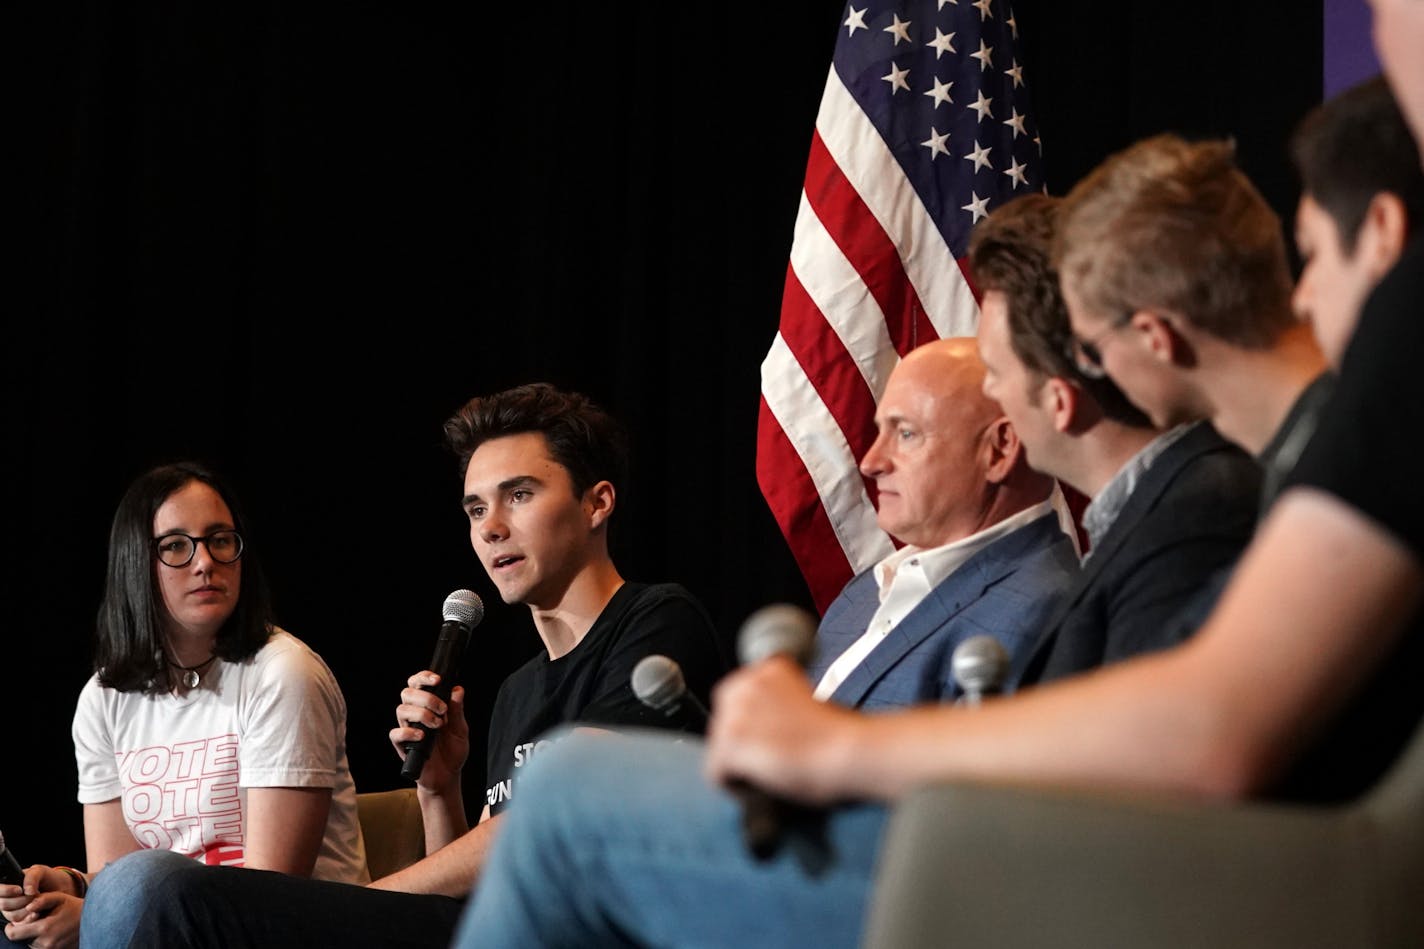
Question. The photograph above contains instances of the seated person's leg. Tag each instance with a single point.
(623, 839)
(155, 899)
(127, 890)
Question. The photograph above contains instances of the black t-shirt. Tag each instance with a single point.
(1366, 451)
(1367, 445)
(1278, 459)
(592, 684)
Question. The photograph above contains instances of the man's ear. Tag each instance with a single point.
(1061, 398)
(1382, 234)
(599, 501)
(1002, 448)
(1163, 339)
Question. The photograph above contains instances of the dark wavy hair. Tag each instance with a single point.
(582, 437)
(1010, 252)
(129, 655)
(1352, 147)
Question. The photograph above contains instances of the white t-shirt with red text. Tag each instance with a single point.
(181, 765)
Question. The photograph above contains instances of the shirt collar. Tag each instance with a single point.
(1107, 504)
(937, 563)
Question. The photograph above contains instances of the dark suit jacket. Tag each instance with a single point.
(1190, 515)
(1006, 590)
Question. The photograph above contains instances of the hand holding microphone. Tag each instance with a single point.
(461, 613)
(759, 711)
(776, 630)
(658, 683)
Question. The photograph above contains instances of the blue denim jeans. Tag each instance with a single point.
(155, 899)
(620, 841)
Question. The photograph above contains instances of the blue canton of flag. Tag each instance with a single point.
(942, 84)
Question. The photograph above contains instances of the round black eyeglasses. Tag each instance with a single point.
(177, 549)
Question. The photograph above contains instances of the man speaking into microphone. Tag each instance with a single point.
(541, 469)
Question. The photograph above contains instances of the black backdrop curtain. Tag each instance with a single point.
(290, 240)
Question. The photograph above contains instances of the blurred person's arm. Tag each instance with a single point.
(1319, 599)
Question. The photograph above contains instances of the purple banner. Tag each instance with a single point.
(1349, 47)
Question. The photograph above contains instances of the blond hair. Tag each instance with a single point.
(1175, 226)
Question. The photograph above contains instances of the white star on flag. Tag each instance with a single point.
(980, 156)
(977, 206)
(901, 29)
(942, 43)
(940, 92)
(1016, 122)
(935, 143)
(981, 105)
(983, 55)
(896, 78)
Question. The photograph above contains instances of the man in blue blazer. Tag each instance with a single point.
(983, 550)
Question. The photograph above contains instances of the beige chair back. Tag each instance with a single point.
(393, 828)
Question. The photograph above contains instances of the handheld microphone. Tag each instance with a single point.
(462, 612)
(979, 665)
(10, 871)
(659, 684)
(776, 630)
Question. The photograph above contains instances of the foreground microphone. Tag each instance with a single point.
(10, 871)
(776, 630)
(462, 612)
(980, 665)
(658, 683)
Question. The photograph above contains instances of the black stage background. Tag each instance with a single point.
(291, 240)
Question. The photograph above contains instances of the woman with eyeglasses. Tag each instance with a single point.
(205, 729)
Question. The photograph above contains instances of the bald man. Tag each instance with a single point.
(983, 552)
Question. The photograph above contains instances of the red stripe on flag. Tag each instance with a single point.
(968, 275)
(794, 502)
(828, 366)
(868, 248)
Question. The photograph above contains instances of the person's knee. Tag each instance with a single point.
(138, 872)
(560, 761)
(571, 769)
(582, 780)
(130, 888)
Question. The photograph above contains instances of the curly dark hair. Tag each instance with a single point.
(1351, 148)
(1010, 252)
(582, 437)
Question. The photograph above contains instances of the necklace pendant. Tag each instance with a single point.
(190, 678)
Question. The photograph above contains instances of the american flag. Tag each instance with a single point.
(924, 127)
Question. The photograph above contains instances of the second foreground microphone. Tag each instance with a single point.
(980, 665)
(776, 630)
(659, 684)
(657, 681)
(462, 612)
